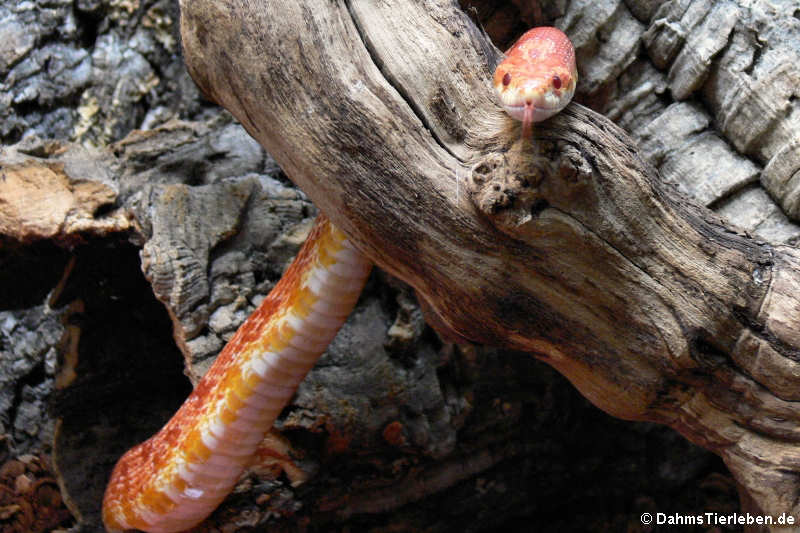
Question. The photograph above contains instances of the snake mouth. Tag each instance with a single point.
(539, 112)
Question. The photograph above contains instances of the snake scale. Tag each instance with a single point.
(175, 479)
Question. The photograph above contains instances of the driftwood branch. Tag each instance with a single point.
(569, 247)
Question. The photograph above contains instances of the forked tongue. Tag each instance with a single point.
(527, 121)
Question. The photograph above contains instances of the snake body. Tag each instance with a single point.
(176, 478)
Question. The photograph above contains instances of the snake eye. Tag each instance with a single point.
(556, 81)
(506, 79)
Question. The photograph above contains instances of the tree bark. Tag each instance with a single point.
(569, 247)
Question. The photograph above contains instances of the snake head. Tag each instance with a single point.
(537, 78)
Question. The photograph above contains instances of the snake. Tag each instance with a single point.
(538, 76)
(175, 479)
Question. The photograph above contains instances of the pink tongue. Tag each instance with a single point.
(527, 121)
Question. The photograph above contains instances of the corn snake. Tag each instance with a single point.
(176, 478)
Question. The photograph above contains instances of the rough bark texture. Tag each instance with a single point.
(393, 428)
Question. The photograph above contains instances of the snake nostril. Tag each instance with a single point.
(507, 79)
(556, 81)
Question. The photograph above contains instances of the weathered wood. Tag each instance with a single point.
(41, 199)
(570, 248)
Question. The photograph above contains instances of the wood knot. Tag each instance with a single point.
(514, 188)
(506, 188)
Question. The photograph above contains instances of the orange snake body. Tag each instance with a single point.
(176, 478)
